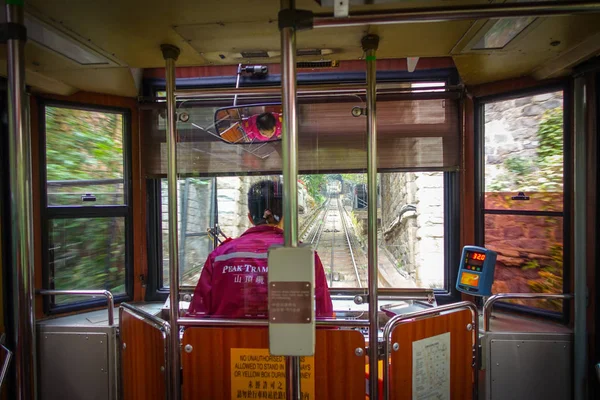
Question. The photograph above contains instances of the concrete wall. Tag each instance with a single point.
(415, 237)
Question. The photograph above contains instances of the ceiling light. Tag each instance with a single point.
(501, 32)
(48, 37)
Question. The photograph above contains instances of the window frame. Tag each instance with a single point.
(47, 213)
(480, 211)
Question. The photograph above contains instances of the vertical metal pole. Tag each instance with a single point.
(290, 168)
(290, 136)
(237, 83)
(579, 242)
(21, 211)
(370, 44)
(170, 54)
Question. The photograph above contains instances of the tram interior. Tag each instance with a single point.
(486, 135)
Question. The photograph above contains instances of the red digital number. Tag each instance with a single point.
(478, 256)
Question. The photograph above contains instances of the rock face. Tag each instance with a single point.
(530, 248)
(415, 235)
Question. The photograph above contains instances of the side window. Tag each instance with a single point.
(523, 195)
(197, 211)
(86, 195)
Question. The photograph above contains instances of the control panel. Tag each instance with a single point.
(476, 271)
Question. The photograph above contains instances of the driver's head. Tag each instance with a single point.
(265, 203)
(266, 123)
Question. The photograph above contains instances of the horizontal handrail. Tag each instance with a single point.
(337, 89)
(146, 316)
(106, 293)
(406, 294)
(487, 307)
(84, 182)
(430, 312)
(457, 13)
(206, 322)
(409, 294)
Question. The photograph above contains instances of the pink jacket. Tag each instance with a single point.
(252, 132)
(233, 283)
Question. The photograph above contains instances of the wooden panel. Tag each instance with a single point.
(461, 354)
(142, 359)
(339, 373)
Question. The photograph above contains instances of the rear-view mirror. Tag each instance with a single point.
(257, 123)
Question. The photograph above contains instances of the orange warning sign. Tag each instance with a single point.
(255, 374)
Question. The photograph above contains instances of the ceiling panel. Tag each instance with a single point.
(528, 52)
(118, 81)
(132, 30)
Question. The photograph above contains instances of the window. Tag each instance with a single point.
(332, 217)
(197, 211)
(523, 194)
(86, 194)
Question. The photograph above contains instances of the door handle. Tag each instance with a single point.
(598, 371)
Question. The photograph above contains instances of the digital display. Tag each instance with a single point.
(474, 262)
(469, 279)
(476, 256)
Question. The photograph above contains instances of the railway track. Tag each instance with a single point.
(329, 231)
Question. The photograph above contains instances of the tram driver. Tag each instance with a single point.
(233, 282)
(263, 127)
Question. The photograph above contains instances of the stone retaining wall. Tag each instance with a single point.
(415, 235)
(511, 128)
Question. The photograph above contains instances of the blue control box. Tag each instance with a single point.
(476, 271)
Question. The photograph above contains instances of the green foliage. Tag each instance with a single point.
(550, 134)
(530, 264)
(86, 253)
(83, 144)
(550, 277)
(545, 172)
(355, 178)
(315, 185)
(519, 166)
